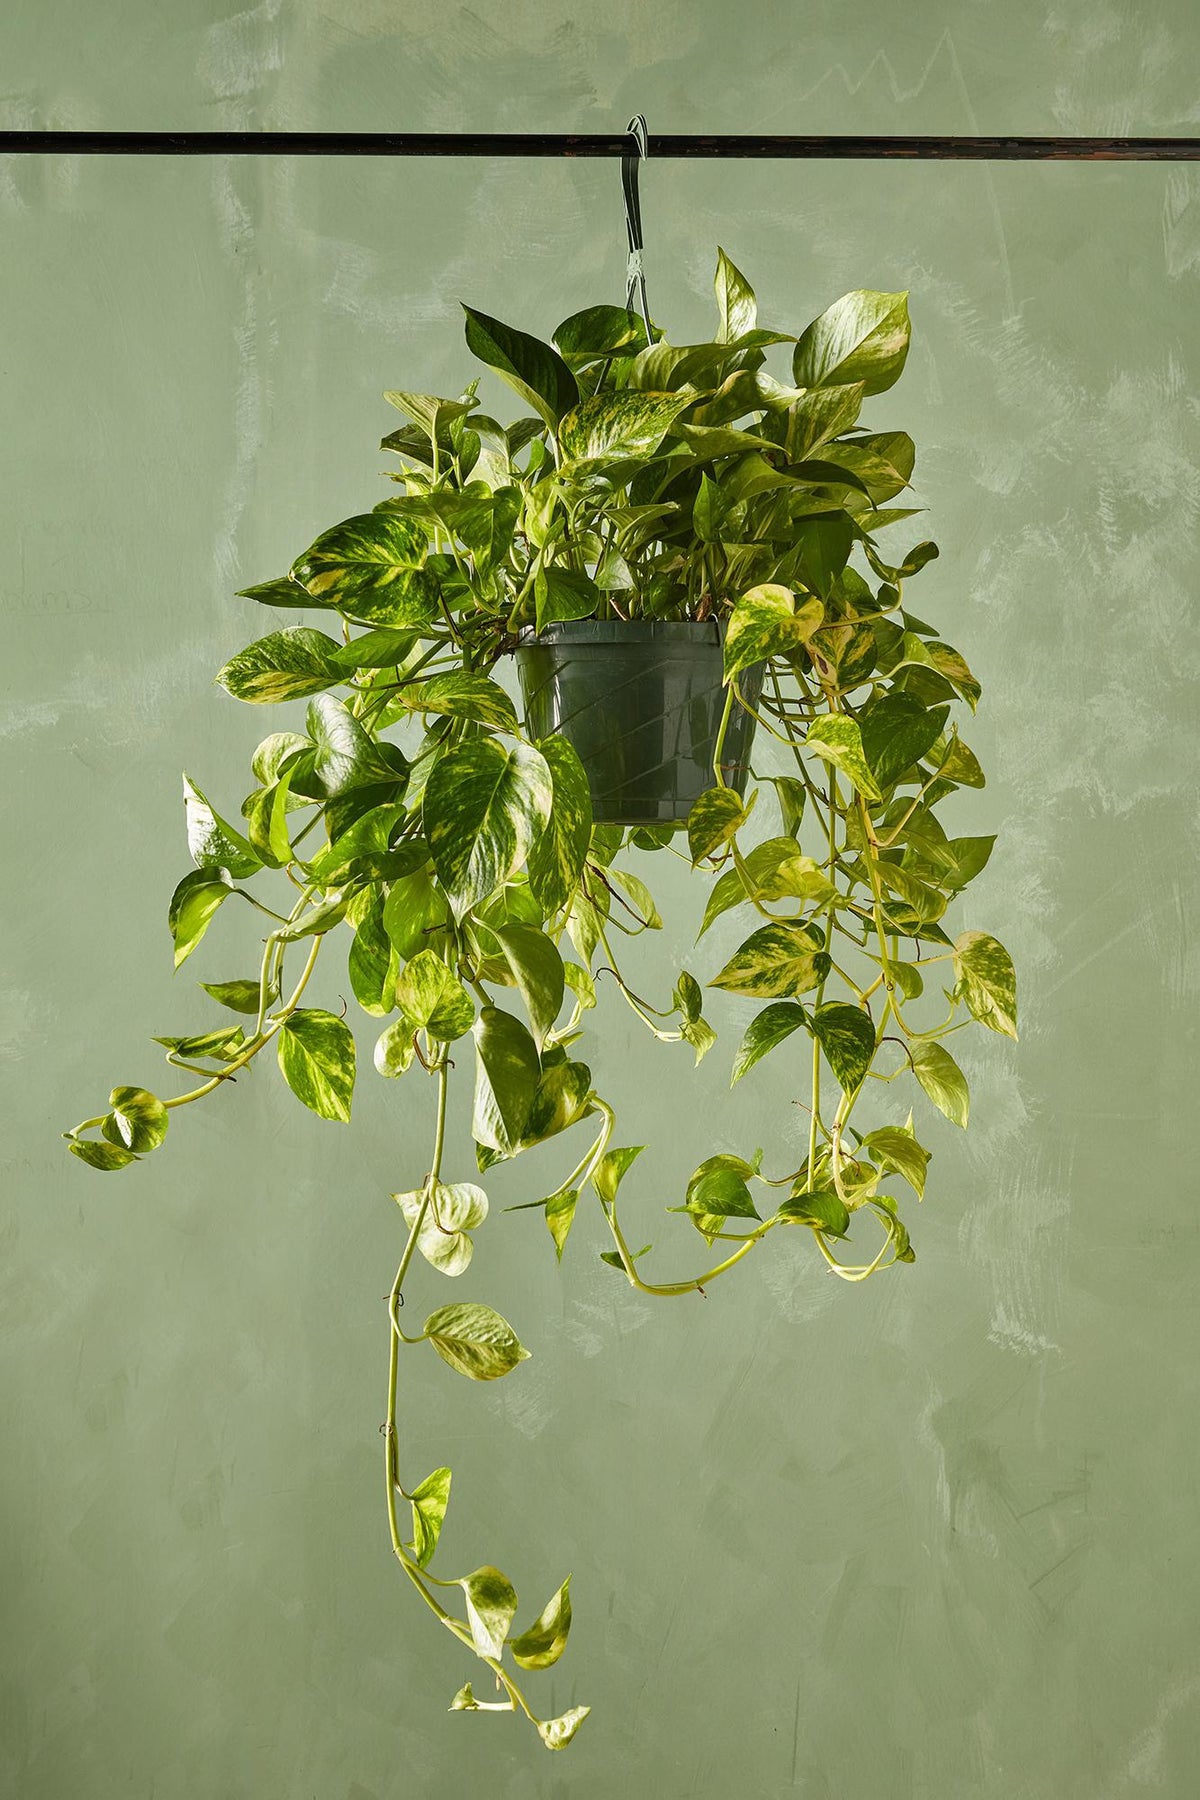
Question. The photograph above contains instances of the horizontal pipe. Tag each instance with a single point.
(521, 144)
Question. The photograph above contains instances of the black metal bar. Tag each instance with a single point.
(522, 144)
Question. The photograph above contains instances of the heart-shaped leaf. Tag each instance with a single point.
(556, 1734)
(433, 999)
(285, 666)
(138, 1120)
(483, 809)
(772, 1025)
(781, 959)
(454, 1210)
(475, 1340)
(491, 1605)
(836, 737)
(317, 1057)
(767, 621)
(987, 980)
(847, 1036)
(863, 337)
(943, 1081)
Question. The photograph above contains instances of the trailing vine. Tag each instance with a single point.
(460, 863)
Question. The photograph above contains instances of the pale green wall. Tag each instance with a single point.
(930, 1539)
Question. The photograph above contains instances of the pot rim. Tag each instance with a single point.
(699, 633)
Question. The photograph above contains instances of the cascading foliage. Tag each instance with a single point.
(458, 864)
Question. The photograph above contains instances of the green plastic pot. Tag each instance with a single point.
(641, 703)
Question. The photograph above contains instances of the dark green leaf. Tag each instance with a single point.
(970, 857)
(823, 545)
(822, 1209)
(847, 1036)
(372, 963)
(600, 332)
(709, 511)
(384, 648)
(507, 1073)
(362, 849)
(561, 593)
(537, 372)
(825, 473)
(689, 997)
(912, 564)
(562, 1097)
(537, 969)
(615, 1261)
(772, 1025)
(718, 1190)
(897, 731)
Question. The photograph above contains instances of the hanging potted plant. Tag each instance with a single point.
(680, 549)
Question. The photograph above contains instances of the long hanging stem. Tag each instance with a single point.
(410, 1566)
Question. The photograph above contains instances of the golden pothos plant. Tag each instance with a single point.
(410, 818)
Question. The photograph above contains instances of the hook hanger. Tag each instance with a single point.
(635, 279)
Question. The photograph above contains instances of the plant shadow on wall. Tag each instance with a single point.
(681, 550)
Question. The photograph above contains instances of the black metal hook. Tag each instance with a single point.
(635, 279)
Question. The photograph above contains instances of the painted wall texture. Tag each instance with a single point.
(922, 1540)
